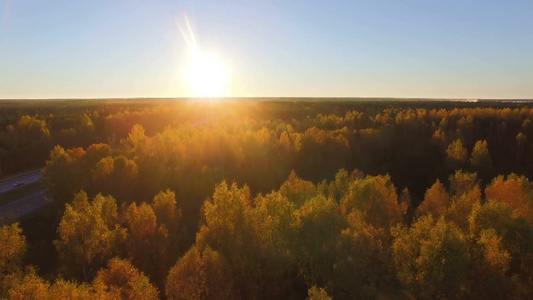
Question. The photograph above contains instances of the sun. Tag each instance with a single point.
(206, 76)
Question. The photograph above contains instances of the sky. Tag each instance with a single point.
(139, 48)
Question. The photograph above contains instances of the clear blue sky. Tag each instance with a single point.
(459, 49)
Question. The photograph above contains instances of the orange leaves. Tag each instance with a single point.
(515, 191)
(436, 201)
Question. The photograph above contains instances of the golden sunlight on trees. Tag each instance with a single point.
(431, 258)
(362, 269)
(318, 294)
(321, 224)
(516, 191)
(375, 197)
(88, 235)
(480, 155)
(436, 201)
(121, 280)
(200, 275)
(276, 231)
(65, 173)
(192, 201)
(147, 242)
(169, 217)
(30, 286)
(481, 160)
(31, 130)
(228, 230)
(297, 190)
(457, 154)
(462, 183)
(12, 250)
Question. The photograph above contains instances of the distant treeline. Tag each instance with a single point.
(251, 200)
(415, 142)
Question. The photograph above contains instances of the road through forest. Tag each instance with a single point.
(23, 206)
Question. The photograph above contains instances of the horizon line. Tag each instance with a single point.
(273, 97)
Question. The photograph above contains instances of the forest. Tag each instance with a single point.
(270, 199)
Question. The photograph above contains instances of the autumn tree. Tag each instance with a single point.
(318, 294)
(12, 250)
(88, 235)
(457, 155)
(200, 275)
(30, 286)
(480, 155)
(297, 190)
(169, 216)
(31, 130)
(228, 230)
(276, 228)
(65, 173)
(461, 207)
(363, 267)
(516, 191)
(481, 160)
(147, 242)
(321, 224)
(116, 176)
(501, 217)
(375, 197)
(339, 186)
(65, 290)
(121, 280)
(436, 201)
(490, 262)
(431, 258)
(462, 182)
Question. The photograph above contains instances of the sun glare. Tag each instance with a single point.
(206, 76)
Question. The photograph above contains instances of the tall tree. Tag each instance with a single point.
(147, 242)
(121, 280)
(12, 250)
(88, 235)
(436, 201)
(375, 197)
(200, 275)
(431, 258)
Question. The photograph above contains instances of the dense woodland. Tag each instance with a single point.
(264, 199)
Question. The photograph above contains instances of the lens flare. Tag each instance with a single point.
(204, 72)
